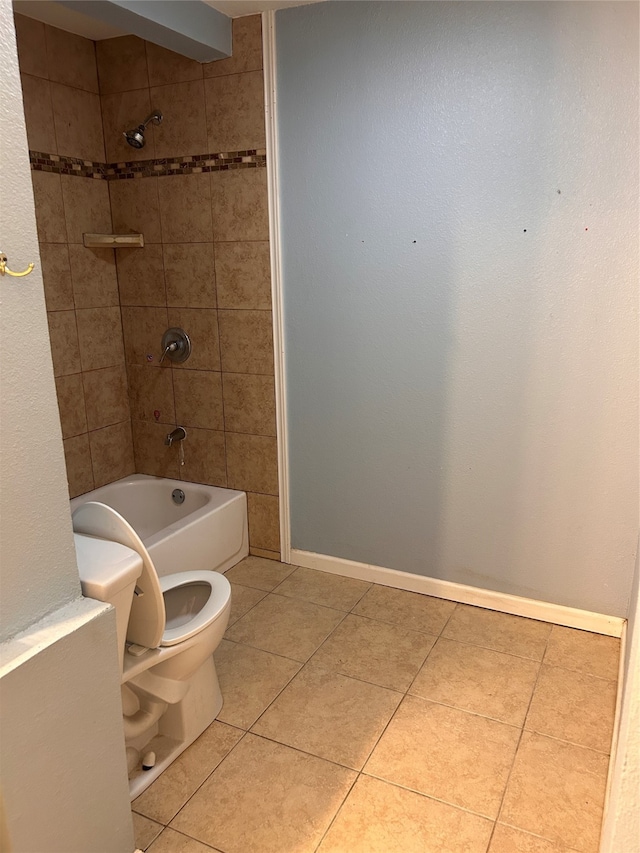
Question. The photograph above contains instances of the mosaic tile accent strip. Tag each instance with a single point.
(220, 162)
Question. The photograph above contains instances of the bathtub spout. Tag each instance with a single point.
(178, 434)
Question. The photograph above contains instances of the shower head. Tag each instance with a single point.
(135, 137)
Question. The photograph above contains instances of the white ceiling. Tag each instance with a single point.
(82, 25)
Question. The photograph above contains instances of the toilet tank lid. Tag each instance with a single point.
(105, 567)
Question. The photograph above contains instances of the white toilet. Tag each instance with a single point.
(167, 632)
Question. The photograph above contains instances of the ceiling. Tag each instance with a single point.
(75, 22)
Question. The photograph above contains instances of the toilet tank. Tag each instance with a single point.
(108, 572)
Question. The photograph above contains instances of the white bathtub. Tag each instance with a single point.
(208, 532)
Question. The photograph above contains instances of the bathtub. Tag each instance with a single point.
(208, 531)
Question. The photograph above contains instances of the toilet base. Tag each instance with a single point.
(181, 724)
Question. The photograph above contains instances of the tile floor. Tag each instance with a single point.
(364, 719)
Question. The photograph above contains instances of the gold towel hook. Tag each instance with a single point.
(4, 269)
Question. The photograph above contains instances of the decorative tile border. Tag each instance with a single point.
(159, 168)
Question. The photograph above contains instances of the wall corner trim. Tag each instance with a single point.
(530, 608)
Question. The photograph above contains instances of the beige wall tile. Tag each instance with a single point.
(56, 273)
(183, 130)
(243, 275)
(448, 754)
(411, 609)
(499, 631)
(506, 839)
(201, 324)
(258, 573)
(556, 790)
(249, 403)
(71, 59)
(329, 715)
(282, 800)
(50, 213)
(63, 336)
(264, 523)
(152, 456)
(185, 208)
(93, 273)
(32, 47)
(141, 276)
(143, 329)
(478, 680)
(167, 67)
(263, 552)
(111, 453)
(239, 203)
(204, 457)
(378, 652)
(573, 706)
(86, 207)
(285, 626)
(38, 114)
(243, 598)
(78, 461)
(151, 391)
(252, 463)
(247, 49)
(250, 679)
(583, 652)
(135, 208)
(378, 818)
(235, 112)
(190, 275)
(100, 337)
(78, 122)
(198, 396)
(323, 587)
(246, 341)
(121, 112)
(106, 396)
(122, 65)
(166, 796)
(71, 405)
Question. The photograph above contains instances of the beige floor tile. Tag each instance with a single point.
(170, 841)
(243, 598)
(383, 654)
(506, 839)
(478, 680)
(329, 715)
(266, 797)
(380, 818)
(501, 632)
(556, 790)
(324, 588)
(445, 753)
(573, 706)
(286, 626)
(409, 609)
(584, 652)
(259, 573)
(250, 680)
(165, 797)
(145, 830)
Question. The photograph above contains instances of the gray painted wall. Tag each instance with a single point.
(459, 197)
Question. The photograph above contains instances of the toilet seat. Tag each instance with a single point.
(216, 598)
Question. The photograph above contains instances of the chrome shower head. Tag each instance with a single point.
(135, 137)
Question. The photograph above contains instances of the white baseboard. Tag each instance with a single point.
(571, 617)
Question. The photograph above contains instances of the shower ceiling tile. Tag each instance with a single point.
(121, 112)
(235, 112)
(78, 123)
(183, 130)
(38, 114)
(122, 65)
(247, 49)
(239, 204)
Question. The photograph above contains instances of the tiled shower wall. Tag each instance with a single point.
(197, 192)
(62, 110)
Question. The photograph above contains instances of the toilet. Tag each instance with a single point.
(167, 630)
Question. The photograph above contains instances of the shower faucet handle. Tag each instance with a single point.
(172, 347)
(176, 344)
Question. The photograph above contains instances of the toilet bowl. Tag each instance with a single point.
(167, 631)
